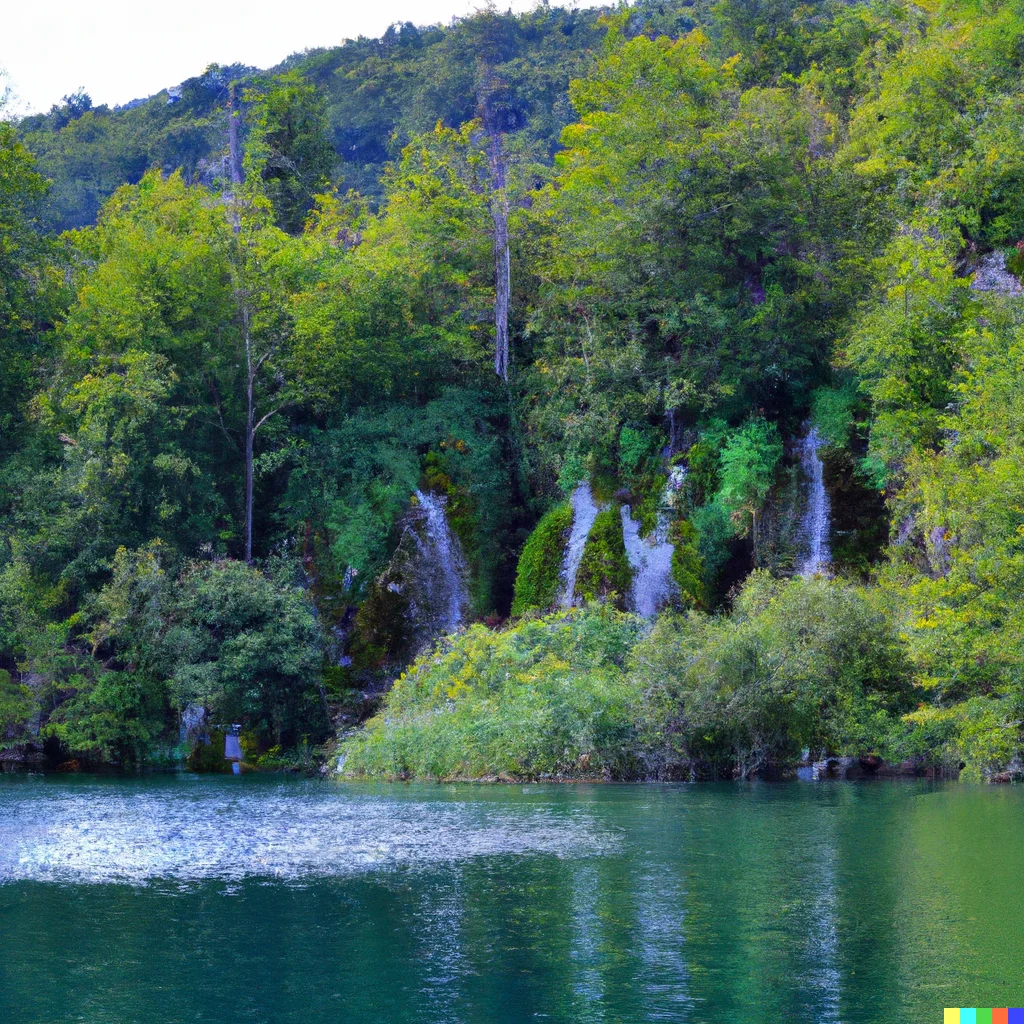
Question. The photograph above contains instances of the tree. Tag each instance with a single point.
(243, 643)
(264, 274)
(748, 463)
(494, 115)
(289, 148)
(23, 263)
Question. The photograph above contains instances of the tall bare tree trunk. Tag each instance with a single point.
(234, 146)
(502, 258)
(499, 217)
(250, 435)
(252, 366)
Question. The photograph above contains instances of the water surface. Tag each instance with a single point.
(250, 899)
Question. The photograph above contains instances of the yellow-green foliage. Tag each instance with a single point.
(593, 692)
(960, 585)
(209, 757)
(15, 708)
(547, 697)
(604, 570)
(540, 564)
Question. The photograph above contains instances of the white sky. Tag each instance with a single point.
(119, 50)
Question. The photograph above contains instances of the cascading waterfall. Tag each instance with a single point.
(443, 593)
(816, 521)
(584, 512)
(651, 557)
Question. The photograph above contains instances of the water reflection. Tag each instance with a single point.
(175, 900)
(586, 942)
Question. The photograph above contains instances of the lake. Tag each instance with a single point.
(185, 898)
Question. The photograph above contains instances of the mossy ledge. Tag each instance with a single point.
(604, 571)
(539, 573)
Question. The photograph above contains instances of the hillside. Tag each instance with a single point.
(376, 94)
(660, 365)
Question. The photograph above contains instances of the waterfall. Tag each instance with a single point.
(584, 512)
(651, 557)
(815, 525)
(443, 593)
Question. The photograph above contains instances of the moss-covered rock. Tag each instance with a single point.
(382, 632)
(538, 577)
(604, 571)
(647, 503)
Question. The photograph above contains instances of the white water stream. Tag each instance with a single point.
(584, 512)
(814, 528)
(444, 574)
(651, 556)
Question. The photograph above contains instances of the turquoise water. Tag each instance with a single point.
(250, 899)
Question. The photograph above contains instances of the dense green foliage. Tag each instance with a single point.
(538, 574)
(374, 95)
(687, 565)
(604, 571)
(799, 664)
(725, 222)
(548, 698)
(593, 693)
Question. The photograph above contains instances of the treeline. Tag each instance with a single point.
(375, 95)
(220, 397)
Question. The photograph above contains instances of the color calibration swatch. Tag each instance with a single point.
(1000, 1015)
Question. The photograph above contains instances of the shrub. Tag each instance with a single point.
(714, 537)
(798, 663)
(112, 718)
(16, 708)
(240, 641)
(547, 697)
(637, 446)
(702, 460)
(832, 413)
(748, 464)
(687, 565)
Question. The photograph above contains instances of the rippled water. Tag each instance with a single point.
(197, 829)
(253, 899)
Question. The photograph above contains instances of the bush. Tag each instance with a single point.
(798, 664)
(538, 577)
(246, 645)
(242, 642)
(16, 708)
(547, 697)
(113, 718)
(702, 460)
(832, 413)
(748, 464)
(637, 448)
(714, 540)
(593, 692)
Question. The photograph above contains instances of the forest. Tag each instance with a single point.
(461, 404)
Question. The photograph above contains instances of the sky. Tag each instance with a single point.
(120, 50)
